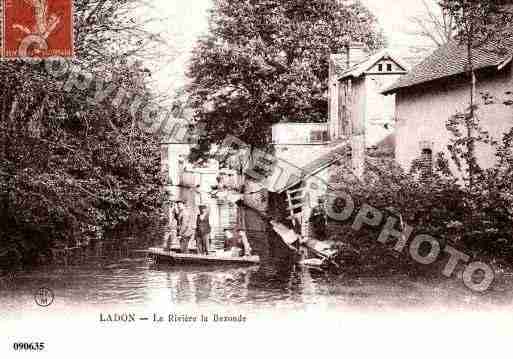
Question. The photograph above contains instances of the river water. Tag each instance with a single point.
(134, 281)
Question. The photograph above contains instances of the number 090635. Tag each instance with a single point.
(28, 346)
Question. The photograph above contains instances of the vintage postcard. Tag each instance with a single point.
(272, 178)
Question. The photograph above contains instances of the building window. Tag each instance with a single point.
(380, 67)
(389, 67)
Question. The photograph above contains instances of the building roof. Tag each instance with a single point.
(340, 150)
(449, 60)
(367, 63)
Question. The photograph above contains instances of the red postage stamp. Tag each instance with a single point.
(37, 28)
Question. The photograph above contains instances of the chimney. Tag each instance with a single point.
(355, 53)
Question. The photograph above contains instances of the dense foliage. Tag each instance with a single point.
(479, 21)
(71, 170)
(266, 61)
(477, 219)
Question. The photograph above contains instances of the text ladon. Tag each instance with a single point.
(117, 317)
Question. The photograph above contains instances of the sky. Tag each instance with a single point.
(184, 20)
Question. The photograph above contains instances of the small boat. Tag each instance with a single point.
(159, 255)
(315, 264)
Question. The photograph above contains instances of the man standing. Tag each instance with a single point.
(203, 230)
(318, 219)
(184, 225)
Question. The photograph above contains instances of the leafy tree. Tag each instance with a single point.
(477, 23)
(72, 170)
(434, 25)
(266, 61)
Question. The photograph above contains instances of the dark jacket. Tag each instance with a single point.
(203, 225)
(318, 219)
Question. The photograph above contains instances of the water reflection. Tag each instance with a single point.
(199, 285)
(270, 284)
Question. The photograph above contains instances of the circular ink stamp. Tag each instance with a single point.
(44, 297)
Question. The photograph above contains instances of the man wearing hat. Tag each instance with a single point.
(318, 220)
(203, 230)
(184, 225)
